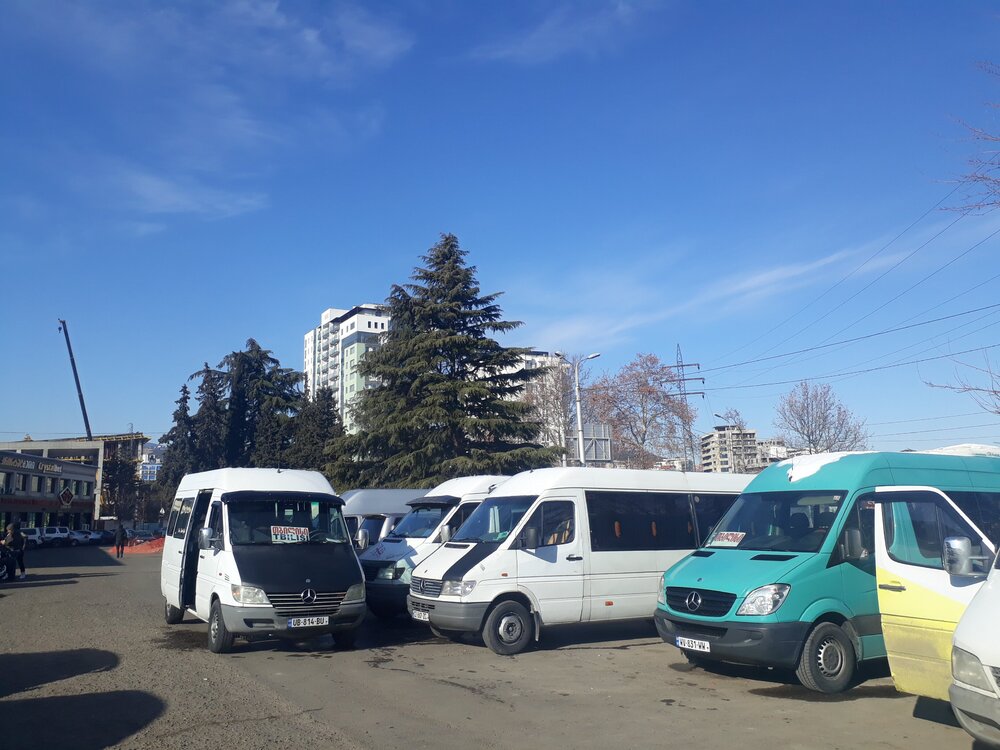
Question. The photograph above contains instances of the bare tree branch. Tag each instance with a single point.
(812, 419)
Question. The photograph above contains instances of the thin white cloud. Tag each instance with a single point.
(569, 29)
(154, 194)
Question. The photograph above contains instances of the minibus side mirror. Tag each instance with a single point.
(852, 548)
(529, 539)
(363, 539)
(445, 534)
(205, 539)
(958, 556)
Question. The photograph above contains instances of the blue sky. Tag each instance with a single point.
(180, 177)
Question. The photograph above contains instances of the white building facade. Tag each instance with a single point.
(729, 449)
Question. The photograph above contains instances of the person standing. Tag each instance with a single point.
(120, 538)
(15, 542)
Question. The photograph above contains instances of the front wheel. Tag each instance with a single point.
(220, 640)
(171, 614)
(828, 661)
(509, 628)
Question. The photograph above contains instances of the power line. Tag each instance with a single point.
(925, 419)
(856, 372)
(849, 341)
(940, 429)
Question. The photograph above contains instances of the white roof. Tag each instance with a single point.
(966, 449)
(539, 480)
(263, 480)
(379, 502)
(463, 486)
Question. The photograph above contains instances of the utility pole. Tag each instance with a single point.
(76, 376)
(690, 455)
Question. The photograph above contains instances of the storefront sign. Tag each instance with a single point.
(30, 464)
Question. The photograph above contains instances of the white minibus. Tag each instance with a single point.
(433, 519)
(258, 553)
(566, 545)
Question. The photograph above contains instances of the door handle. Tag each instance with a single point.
(892, 587)
(574, 558)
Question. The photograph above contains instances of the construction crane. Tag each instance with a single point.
(76, 376)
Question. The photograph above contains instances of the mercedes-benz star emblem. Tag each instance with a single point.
(308, 596)
(693, 601)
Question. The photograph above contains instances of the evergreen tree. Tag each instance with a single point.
(273, 431)
(446, 403)
(180, 456)
(315, 427)
(257, 383)
(209, 422)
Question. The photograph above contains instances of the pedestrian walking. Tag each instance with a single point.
(120, 538)
(15, 542)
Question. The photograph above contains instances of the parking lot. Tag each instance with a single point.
(86, 661)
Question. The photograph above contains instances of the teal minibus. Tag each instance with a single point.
(787, 577)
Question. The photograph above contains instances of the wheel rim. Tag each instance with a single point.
(213, 628)
(510, 628)
(830, 657)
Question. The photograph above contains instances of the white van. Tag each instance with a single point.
(433, 519)
(258, 553)
(975, 663)
(372, 513)
(556, 546)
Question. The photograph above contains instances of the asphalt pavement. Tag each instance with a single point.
(86, 661)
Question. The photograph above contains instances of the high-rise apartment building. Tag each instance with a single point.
(333, 349)
(728, 449)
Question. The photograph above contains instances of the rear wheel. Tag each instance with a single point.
(828, 660)
(171, 614)
(509, 628)
(220, 640)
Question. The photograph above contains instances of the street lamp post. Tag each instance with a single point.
(579, 410)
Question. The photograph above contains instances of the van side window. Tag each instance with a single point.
(215, 520)
(463, 512)
(175, 509)
(555, 522)
(862, 518)
(984, 510)
(182, 518)
(916, 528)
(709, 509)
(622, 520)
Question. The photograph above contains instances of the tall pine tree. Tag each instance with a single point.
(209, 422)
(446, 403)
(315, 427)
(180, 455)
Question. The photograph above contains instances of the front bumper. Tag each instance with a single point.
(978, 714)
(264, 621)
(461, 616)
(771, 644)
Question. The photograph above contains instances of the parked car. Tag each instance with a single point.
(141, 536)
(106, 536)
(56, 536)
(33, 537)
(76, 538)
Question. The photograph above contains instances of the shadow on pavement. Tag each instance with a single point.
(69, 557)
(936, 711)
(80, 722)
(20, 672)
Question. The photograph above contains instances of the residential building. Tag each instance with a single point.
(151, 461)
(729, 449)
(333, 349)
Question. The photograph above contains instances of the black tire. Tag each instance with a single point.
(171, 614)
(509, 628)
(73, 543)
(828, 660)
(345, 638)
(220, 640)
(6, 570)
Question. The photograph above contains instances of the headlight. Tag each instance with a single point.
(967, 668)
(389, 572)
(355, 593)
(765, 600)
(661, 595)
(249, 595)
(457, 588)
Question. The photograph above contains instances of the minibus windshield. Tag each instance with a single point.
(420, 522)
(780, 521)
(285, 520)
(493, 521)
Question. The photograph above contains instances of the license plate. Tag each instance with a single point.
(692, 645)
(307, 622)
(422, 616)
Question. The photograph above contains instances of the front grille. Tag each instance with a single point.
(713, 603)
(425, 587)
(422, 606)
(292, 605)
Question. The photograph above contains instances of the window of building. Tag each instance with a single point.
(37, 484)
(21, 482)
